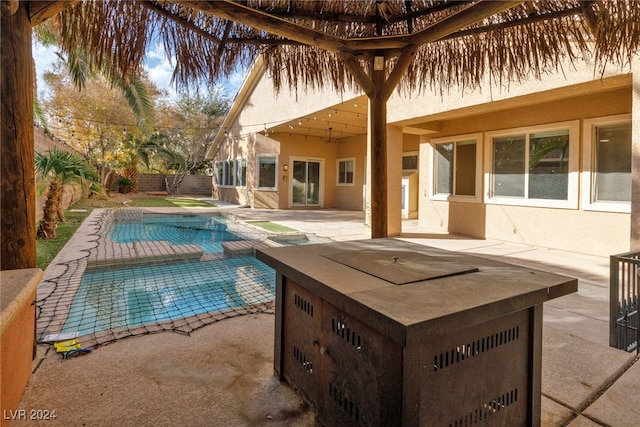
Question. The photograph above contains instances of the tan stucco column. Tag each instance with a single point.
(635, 156)
(424, 180)
(394, 180)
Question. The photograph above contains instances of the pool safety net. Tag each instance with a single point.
(138, 272)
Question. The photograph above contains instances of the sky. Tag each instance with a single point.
(158, 66)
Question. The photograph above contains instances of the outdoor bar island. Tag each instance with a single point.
(387, 332)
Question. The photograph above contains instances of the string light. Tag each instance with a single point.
(128, 126)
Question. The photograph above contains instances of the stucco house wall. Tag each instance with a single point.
(245, 138)
(577, 228)
(573, 99)
(351, 196)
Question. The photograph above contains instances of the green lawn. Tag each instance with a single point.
(46, 250)
(270, 226)
(167, 202)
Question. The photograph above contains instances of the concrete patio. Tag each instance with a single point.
(222, 374)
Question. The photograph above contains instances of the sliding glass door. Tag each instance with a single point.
(305, 185)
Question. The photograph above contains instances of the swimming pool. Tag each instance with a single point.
(208, 232)
(152, 293)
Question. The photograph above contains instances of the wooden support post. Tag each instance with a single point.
(378, 132)
(378, 88)
(17, 175)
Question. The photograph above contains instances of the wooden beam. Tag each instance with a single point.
(515, 23)
(180, 21)
(151, 5)
(17, 172)
(419, 13)
(404, 61)
(263, 21)
(225, 37)
(40, 11)
(469, 16)
(275, 25)
(359, 73)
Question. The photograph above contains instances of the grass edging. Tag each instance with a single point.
(271, 226)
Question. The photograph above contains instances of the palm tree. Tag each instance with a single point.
(59, 168)
(81, 68)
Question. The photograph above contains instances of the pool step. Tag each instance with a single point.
(246, 247)
(141, 253)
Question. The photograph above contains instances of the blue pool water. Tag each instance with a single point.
(137, 295)
(208, 232)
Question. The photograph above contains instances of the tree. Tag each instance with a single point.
(134, 87)
(59, 168)
(135, 150)
(97, 121)
(100, 143)
(183, 136)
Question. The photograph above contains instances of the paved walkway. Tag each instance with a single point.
(584, 381)
(222, 374)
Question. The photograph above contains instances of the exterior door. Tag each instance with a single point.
(305, 185)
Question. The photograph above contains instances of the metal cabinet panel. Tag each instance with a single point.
(302, 326)
(349, 373)
(362, 372)
(480, 375)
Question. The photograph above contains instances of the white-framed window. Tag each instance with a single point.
(267, 169)
(533, 166)
(241, 172)
(225, 173)
(607, 164)
(457, 166)
(346, 170)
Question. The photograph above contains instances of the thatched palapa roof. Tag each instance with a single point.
(331, 42)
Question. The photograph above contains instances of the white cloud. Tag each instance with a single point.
(44, 57)
(160, 69)
(158, 66)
